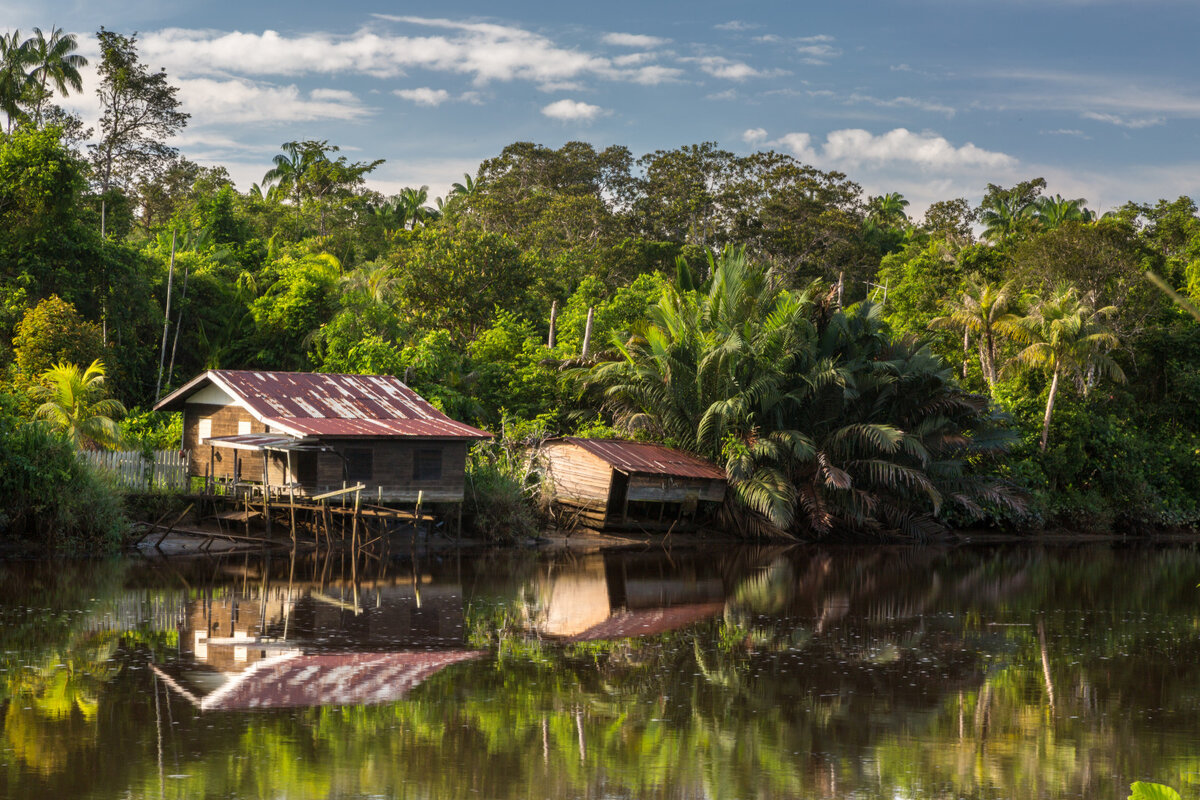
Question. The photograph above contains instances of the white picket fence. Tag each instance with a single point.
(167, 469)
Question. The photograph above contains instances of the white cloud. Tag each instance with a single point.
(1117, 100)
(562, 86)
(818, 51)
(1066, 132)
(906, 102)
(573, 111)
(735, 25)
(854, 147)
(727, 69)
(423, 96)
(754, 135)
(239, 101)
(483, 51)
(1125, 122)
(633, 40)
(728, 94)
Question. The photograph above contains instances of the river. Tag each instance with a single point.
(752, 672)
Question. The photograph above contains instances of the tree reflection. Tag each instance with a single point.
(882, 673)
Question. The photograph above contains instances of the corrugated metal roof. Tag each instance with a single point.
(293, 681)
(653, 459)
(260, 441)
(329, 404)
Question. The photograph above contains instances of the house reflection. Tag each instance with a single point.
(622, 595)
(319, 644)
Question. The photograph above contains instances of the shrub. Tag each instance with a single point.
(49, 497)
(501, 495)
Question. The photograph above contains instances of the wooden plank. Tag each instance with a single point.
(339, 492)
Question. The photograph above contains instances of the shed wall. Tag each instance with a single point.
(577, 477)
(667, 489)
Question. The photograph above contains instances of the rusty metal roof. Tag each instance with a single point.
(321, 679)
(329, 405)
(647, 458)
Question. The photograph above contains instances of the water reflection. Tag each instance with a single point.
(756, 672)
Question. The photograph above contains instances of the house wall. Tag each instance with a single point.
(225, 421)
(576, 476)
(393, 465)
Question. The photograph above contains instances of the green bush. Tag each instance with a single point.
(49, 497)
(501, 499)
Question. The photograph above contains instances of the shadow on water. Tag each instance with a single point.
(744, 672)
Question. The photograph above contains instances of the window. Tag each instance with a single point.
(205, 431)
(243, 426)
(360, 463)
(427, 465)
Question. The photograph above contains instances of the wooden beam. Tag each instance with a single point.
(338, 492)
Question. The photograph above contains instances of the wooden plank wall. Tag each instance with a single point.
(576, 476)
(666, 489)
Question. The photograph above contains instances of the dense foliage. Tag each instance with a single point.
(853, 376)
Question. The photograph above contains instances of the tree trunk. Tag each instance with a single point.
(553, 321)
(587, 332)
(178, 325)
(1049, 409)
(162, 352)
(967, 351)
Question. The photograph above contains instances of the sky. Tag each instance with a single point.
(930, 98)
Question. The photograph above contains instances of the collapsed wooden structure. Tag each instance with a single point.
(610, 483)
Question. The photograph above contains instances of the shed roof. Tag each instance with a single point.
(328, 404)
(647, 458)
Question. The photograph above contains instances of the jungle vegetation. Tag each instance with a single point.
(854, 368)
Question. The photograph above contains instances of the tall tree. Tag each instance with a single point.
(1008, 213)
(16, 59)
(1067, 339)
(55, 63)
(1052, 212)
(985, 312)
(139, 113)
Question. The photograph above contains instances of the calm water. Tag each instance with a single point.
(742, 673)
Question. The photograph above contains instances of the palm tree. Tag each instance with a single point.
(1004, 216)
(288, 173)
(1067, 338)
(412, 207)
(985, 312)
(375, 280)
(888, 210)
(465, 189)
(1052, 212)
(16, 56)
(56, 63)
(74, 403)
(819, 417)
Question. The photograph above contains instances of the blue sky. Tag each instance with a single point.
(931, 98)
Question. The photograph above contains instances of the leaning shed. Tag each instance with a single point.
(609, 483)
(311, 433)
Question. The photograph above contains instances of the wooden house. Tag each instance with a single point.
(609, 483)
(314, 432)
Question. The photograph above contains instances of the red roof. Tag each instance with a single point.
(646, 458)
(329, 679)
(327, 404)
